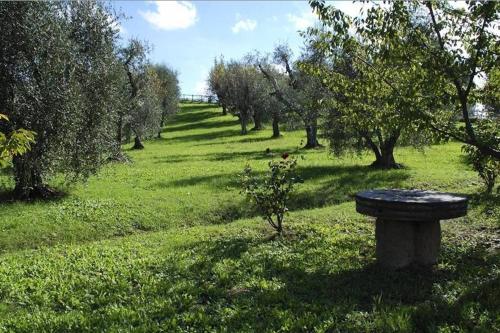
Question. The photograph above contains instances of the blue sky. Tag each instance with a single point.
(188, 35)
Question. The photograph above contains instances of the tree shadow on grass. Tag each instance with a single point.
(343, 183)
(7, 196)
(487, 202)
(204, 136)
(200, 125)
(332, 284)
(220, 181)
(366, 287)
(257, 139)
(249, 138)
(229, 211)
(225, 156)
(195, 113)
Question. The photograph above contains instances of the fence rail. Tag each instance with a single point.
(192, 98)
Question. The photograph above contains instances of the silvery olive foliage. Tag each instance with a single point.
(58, 78)
(168, 91)
(300, 93)
(246, 93)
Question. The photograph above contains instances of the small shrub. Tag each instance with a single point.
(14, 143)
(486, 166)
(272, 191)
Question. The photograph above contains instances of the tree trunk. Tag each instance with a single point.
(162, 122)
(257, 120)
(137, 143)
(373, 147)
(224, 110)
(312, 137)
(119, 134)
(28, 179)
(385, 159)
(243, 123)
(276, 126)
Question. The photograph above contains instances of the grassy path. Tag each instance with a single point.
(167, 243)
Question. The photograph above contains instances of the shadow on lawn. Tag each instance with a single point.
(343, 182)
(204, 136)
(223, 156)
(328, 283)
(200, 125)
(195, 113)
(249, 138)
(370, 287)
(9, 197)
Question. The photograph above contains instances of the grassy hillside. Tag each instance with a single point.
(167, 243)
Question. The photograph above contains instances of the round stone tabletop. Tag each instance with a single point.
(412, 205)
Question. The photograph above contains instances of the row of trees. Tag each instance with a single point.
(405, 72)
(64, 76)
(271, 87)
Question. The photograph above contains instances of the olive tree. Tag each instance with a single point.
(57, 62)
(168, 91)
(14, 143)
(302, 93)
(217, 83)
(146, 113)
(247, 94)
(143, 115)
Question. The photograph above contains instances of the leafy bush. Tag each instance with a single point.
(272, 191)
(486, 166)
(14, 143)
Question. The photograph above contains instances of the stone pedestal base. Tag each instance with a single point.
(401, 243)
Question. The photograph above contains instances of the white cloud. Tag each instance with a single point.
(350, 8)
(459, 4)
(171, 15)
(354, 9)
(279, 68)
(117, 26)
(121, 29)
(247, 25)
(304, 20)
(201, 87)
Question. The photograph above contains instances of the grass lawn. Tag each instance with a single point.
(167, 243)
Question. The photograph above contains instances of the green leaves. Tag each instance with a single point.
(271, 192)
(14, 143)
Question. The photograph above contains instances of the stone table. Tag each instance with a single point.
(407, 228)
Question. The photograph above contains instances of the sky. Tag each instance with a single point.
(188, 35)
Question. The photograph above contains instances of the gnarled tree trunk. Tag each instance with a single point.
(276, 126)
(119, 134)
(162, 123)
(28, 179)
(312, 137)
(257, 121)
(384, 155)
(137, 143)
(243, 123)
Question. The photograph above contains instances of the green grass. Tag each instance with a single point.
(167, 243)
